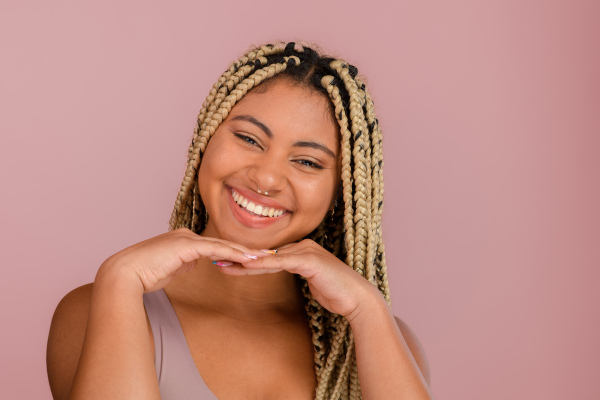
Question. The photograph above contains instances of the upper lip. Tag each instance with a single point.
(258, 199)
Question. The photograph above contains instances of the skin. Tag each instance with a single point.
(244, 321)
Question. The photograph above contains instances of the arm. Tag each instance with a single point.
(100, 346)
(88, 338)
(387, 365)
(65, 340)
(116, 347)
(415, 347)
(389, 356)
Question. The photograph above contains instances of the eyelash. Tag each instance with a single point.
(247, 139)
(309, 164)
(252, 142)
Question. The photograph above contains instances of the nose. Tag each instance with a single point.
(268, 174)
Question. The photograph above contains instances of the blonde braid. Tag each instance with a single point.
(361, 151)
(210, 105)
(347, 179)
(353, 230)
(361, 196)
(377, 179)
(181, 219)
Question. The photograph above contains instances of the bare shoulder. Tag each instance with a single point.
(66, 336)
(65, 339)
(415, 348)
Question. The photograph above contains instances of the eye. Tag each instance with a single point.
(309, 164)
(246, 139)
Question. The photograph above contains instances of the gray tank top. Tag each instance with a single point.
(178, 377)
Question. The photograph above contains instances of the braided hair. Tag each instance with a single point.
(353, 230)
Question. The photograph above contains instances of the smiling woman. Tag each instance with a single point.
(272, 280)
(280, 142)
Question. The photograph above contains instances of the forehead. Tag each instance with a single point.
(291, 110)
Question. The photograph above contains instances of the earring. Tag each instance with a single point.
(333, 209)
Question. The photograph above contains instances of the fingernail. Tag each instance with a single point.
(223, 263)
(269, 251)
(250, 256)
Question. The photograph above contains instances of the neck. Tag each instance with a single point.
(272, 296)
(255, 297)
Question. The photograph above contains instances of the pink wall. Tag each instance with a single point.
(491, 116)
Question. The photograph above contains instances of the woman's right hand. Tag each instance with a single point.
(99, 346)
(157, 260)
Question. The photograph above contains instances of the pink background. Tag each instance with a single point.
(491, 119)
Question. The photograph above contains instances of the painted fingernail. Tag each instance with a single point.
(223, 263)
(250, 256)
(269, 251)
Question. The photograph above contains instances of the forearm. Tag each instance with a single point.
(386, 367)
(116, 361)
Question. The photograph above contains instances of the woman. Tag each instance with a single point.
(250, 293)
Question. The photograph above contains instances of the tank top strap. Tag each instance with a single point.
(178, 377)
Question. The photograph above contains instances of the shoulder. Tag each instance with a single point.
(66, 336)
(415, 348)
(65, 339)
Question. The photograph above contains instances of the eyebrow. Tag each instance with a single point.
(267, 131)
(314, 145)
(256, 122)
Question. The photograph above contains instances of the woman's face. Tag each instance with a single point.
(285, 141)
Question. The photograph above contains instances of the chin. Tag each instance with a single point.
(260, 240)
(257, 241)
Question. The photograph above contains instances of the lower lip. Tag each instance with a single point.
(250, 220)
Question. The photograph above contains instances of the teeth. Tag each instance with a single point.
(257, 209)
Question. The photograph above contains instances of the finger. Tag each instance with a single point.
(187, 233)
(287, 245)
(303, 245)
(234, 245)
(239, 270)
(298, 263)
(215, 250)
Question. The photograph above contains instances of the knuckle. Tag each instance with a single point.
(309, 242)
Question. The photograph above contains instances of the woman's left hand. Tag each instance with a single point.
(335, 285)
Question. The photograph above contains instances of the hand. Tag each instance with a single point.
(157, 260)
(335, 285)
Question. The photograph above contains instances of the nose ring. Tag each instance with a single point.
(259, 192)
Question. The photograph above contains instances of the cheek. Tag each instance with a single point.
(212, 166)
(318, 197)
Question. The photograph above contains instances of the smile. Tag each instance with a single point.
(255, 208)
